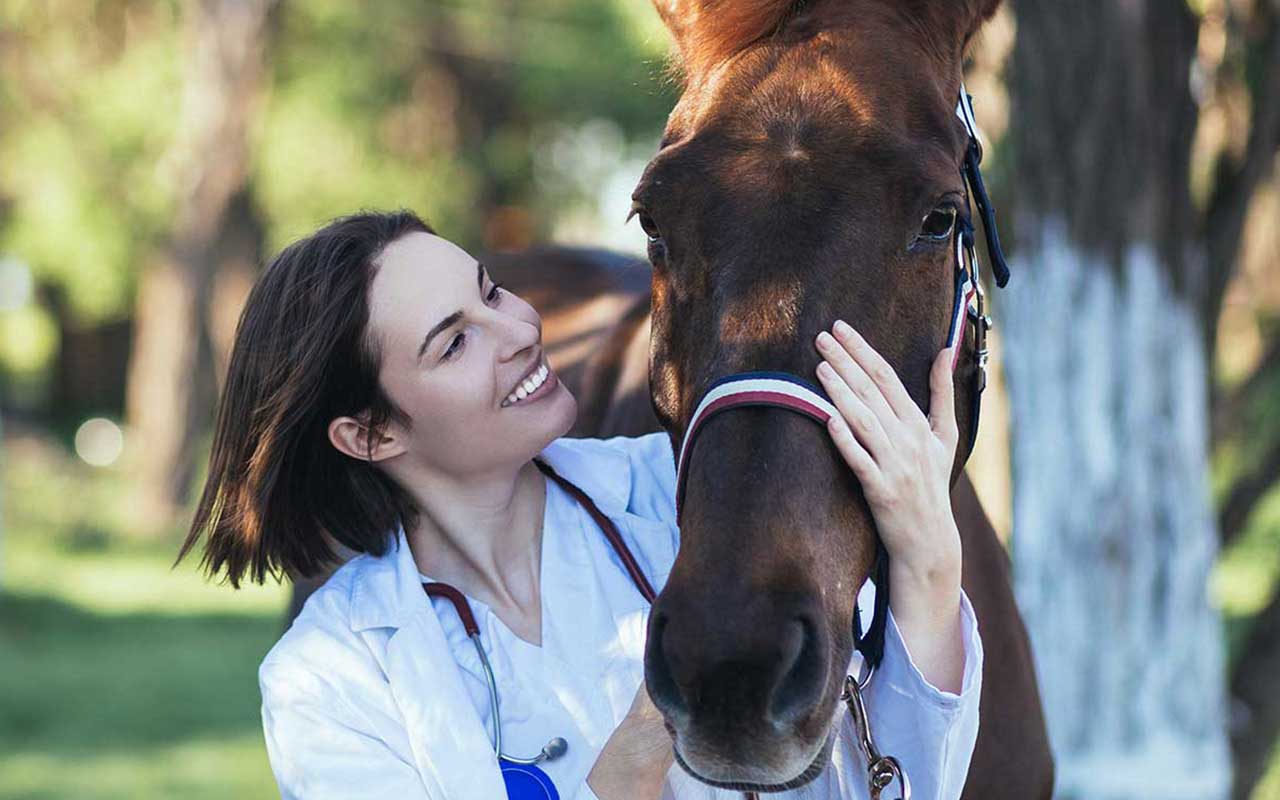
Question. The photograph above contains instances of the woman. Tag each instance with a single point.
(383, 392)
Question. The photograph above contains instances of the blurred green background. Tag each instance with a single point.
(154, 154)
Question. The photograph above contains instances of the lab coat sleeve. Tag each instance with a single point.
(931, 732)
(653, 476)
(321, 748)
(584, 793)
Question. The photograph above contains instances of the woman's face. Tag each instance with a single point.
(459, 355)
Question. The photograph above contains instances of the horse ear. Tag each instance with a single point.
(678, 16)
(708, 31)
(953, 22)
(979, 12)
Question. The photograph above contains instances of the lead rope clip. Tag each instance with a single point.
(882, 770)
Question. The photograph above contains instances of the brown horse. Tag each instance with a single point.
(812, 170)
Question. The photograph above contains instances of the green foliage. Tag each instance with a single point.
(89, 109)
(436, 106)
(428, 105)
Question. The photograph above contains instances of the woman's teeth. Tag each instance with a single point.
(529, 386)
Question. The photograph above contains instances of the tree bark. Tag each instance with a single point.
(171, 383)
(1107, 327)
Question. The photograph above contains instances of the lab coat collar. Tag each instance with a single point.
(388, 589)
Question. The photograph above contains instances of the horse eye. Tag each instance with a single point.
(939, 224)
(649, 227)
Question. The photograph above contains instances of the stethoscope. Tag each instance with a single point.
(523, 779)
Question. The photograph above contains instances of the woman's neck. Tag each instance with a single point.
(482, 535)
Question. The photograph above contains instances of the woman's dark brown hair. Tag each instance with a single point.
(277, 489)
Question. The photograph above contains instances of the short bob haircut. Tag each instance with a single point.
(278, 493)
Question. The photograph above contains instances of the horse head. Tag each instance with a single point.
(811, 171)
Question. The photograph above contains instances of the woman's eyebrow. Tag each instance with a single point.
(452, 319)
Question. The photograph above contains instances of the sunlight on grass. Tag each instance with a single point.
(119, 676)
(115, 582)
(210, 768)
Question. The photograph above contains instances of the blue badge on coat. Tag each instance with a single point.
(526, 782)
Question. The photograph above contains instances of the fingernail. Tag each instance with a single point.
(824, 370)
(825, 340)
(843, 330)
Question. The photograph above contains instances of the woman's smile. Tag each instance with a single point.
(538, 383)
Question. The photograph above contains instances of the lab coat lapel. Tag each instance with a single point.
(450, 745)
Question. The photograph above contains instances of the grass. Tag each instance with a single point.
(119, 677)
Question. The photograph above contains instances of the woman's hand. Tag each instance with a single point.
(903, 461)
(636, 758)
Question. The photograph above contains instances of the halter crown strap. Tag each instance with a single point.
(964, 110)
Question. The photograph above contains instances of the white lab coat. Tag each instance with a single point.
(375, 692)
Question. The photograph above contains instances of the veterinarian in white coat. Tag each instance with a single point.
(376, 693)
(383, 391)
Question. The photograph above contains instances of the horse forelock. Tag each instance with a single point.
(721, 29)
(711, 32)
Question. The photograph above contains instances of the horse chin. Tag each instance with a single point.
(819, 762)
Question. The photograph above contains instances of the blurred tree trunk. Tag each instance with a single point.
(1110, 324)
(171, 386)
(496, 133)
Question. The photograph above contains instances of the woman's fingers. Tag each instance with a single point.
(854, 454)
(855, 377)
(880, 371)
(942, 403)
(855, 414)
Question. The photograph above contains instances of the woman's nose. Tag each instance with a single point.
(519, 334)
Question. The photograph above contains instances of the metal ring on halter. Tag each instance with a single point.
(871, 671)
(882, 770)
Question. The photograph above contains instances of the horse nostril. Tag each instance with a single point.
(658, 680)
(802, 672)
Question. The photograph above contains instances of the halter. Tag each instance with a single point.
(793, 393)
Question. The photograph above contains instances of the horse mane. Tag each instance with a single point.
(723, 28)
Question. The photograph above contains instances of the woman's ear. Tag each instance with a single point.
(350, 436)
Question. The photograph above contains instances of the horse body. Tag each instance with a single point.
(1012, 760)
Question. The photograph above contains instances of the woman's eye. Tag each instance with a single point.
(494, 293)
(455, 347)
(939, 224)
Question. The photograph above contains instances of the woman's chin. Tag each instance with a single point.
(562, 412)
(541, 423)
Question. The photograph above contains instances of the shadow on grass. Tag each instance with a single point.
(73, 681)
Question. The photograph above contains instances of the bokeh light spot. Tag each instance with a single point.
(99, 442)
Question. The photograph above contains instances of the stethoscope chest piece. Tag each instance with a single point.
(526, 782)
